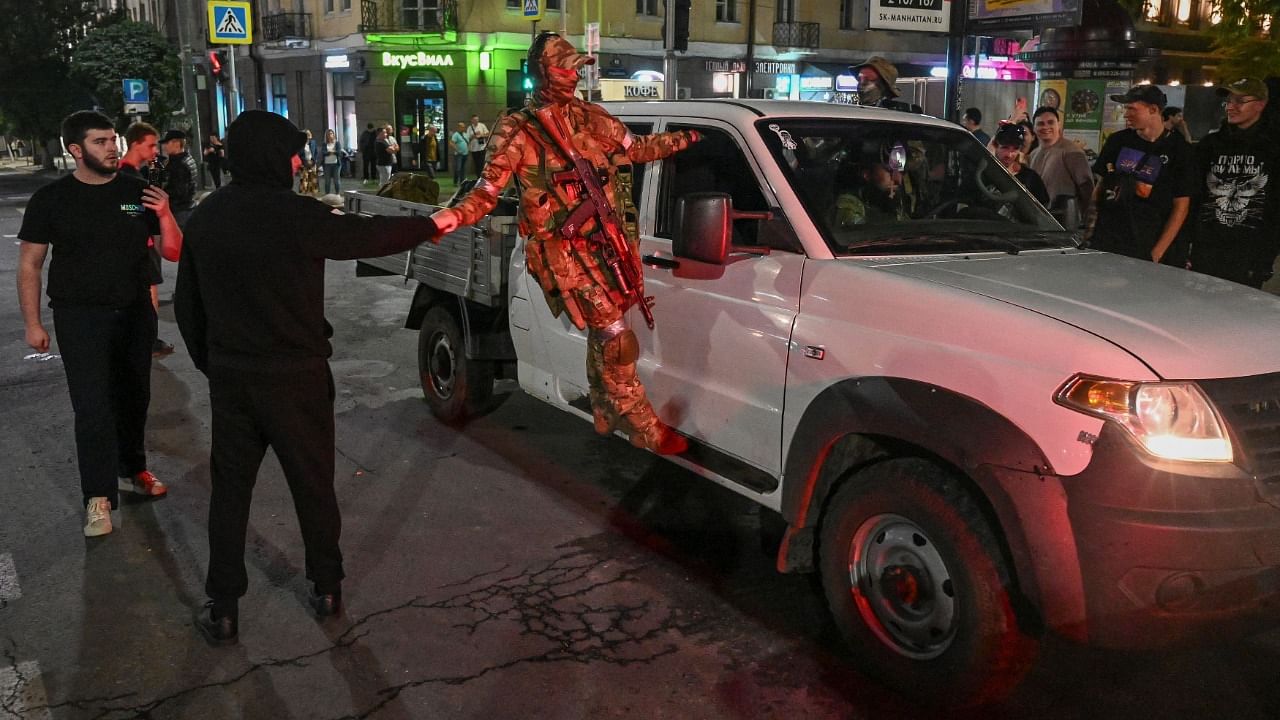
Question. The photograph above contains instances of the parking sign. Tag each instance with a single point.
(136, 90)
(230, 23)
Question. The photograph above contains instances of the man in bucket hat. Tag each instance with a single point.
(1237, 207)
(1148, 178)
(877, 78)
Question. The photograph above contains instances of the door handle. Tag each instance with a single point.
(661, 262)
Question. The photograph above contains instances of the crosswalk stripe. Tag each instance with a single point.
(9, 589)
(22, 688)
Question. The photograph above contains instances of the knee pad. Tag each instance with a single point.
(623, 348)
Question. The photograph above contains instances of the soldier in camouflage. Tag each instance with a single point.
(572, 271)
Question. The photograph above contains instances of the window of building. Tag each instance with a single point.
(846, 14)
(647, 7)
(1215, 13)
(1266, 24)
(421, 13)
(786, 11)
(1151, 10)
(344, 109)
(278, 95)
(1182, 12)
(726, 10)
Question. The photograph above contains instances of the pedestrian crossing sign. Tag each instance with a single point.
(532, 9)
(230, 23)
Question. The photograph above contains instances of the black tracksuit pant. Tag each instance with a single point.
(291, 412)
(106, 353)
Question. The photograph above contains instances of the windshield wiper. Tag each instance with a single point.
(988, 242)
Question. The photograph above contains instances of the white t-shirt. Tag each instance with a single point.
(478, 135)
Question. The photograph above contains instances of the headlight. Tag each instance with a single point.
(1172, 420)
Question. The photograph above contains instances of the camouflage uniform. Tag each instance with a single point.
(572, 272)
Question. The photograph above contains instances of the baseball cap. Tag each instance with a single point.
(173, 135)
(1011, 134)
(1149, 94)
(1244, 86)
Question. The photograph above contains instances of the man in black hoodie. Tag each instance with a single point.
(250, 305)
(1238, 203)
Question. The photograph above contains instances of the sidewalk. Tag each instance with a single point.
(23, 164)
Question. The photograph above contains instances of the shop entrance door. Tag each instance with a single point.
(420, 103)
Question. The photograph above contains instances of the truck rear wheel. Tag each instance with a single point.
(918, 586)
(456, 388)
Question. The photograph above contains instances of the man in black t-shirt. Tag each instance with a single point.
(1238, 206)
(1148, 178)
(99, 223)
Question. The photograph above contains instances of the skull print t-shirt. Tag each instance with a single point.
(1238, 207)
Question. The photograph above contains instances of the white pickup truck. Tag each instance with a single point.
(974, 429)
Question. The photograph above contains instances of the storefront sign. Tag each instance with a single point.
(630, 90)
(769, 67)
(418, 59)
(811, 82)
(336, 62)
(918, 15)
(726, 66)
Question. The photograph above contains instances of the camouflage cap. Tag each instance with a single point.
(1252, 87)
(888, 73)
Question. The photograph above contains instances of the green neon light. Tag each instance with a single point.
(418, 40)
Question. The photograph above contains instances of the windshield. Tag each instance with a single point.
(877, 188)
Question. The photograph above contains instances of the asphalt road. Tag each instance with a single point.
(520, 567)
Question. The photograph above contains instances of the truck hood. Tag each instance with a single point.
(1182, 324)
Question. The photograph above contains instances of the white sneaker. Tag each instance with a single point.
(97, 517)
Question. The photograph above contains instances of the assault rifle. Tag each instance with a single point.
(614, 247)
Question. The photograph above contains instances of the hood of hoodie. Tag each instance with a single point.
(260, 149)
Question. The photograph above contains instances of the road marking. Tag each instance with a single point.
(9, 589)
(22, 688)
(8, 235)
(42, 357)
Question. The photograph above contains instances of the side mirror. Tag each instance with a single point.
(704, 227)
(1066, 210)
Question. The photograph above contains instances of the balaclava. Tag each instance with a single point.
(554, 64)
(260, 149)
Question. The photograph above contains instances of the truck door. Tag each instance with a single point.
(564, 345)
(715, 365)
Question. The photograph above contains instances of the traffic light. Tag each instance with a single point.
(526, 82)
(681, 16)
(217, 64)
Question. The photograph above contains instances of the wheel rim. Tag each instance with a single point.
(902, 587)
(440, 365)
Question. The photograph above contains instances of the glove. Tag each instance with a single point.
(444, 221)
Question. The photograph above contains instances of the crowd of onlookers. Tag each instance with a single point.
(1152, 192)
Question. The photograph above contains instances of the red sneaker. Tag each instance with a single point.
(144, 483)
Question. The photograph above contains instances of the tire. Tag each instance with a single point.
(456, 389)
(918, 587)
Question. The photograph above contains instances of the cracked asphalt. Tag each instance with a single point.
(520, 567)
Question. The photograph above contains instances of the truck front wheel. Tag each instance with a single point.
(456, 388)
(918, 586)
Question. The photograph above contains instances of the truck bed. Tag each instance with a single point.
(470, 262)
